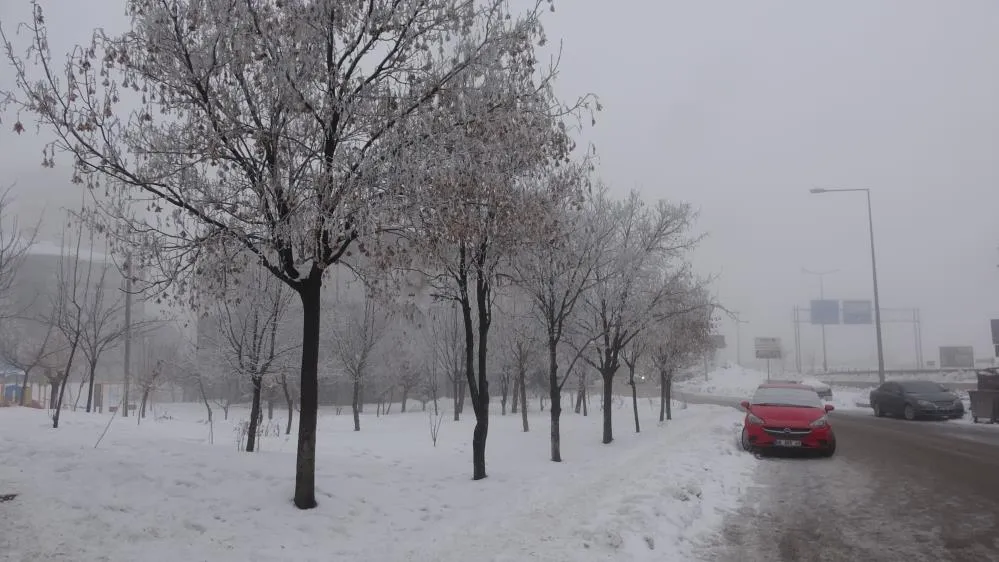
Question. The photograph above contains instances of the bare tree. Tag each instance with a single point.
(288, 129)
(30, 351)
(104, 325)
(558, 269)
(74, 283)
(159, 359)
(632, 356)
(679, 340)
(249, 325)
(359, 332)
(645, 277)
(448, 342)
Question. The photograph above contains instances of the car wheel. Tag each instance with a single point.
(830, 450)
(877, 411)
(910, 412)
(746, 445)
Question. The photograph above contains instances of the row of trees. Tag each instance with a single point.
(63, 314)
(419, 142)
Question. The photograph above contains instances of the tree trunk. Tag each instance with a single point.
(523, 399)
(608, 411)
(142, 405)
(289, 402)
(480, 399)
(24, 386)
(461, 395)
(58, 405)
(580, 393)
(90, 384)
(270, 409)
(555, 395)
(515, 395)
(63, 380)
(251, 432)
(305, 464)
(586, 401)
(634, 397)
(405, 397)
(355, 404)
(54, 393)
(662, 395)
(454, 396)
(505, 386)
(669, 396)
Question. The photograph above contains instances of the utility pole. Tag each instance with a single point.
(822, 296)
(128, 332)
(874, 275)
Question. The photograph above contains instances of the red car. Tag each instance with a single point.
(787, 416)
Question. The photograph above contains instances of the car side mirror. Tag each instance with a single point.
(829, 408)
(745, 405)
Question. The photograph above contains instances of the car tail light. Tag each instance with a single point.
(821, 422)
(754, 419)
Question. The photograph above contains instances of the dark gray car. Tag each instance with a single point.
(914, 399)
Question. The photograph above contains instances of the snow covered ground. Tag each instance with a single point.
(160, 492)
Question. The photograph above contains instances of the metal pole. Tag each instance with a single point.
(877, 301)
(128, 334)
(919, 338)
(797, 340)
(874, 276)
(822, 295)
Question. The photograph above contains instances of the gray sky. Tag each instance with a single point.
(741, 107)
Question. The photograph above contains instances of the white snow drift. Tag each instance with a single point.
(160, 492)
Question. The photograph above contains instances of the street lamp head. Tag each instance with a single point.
(817, 190)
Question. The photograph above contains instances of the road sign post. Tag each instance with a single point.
(767, 348)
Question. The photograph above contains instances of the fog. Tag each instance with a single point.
(741, 108)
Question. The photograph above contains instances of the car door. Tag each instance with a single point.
(882, 397)
(895, 399)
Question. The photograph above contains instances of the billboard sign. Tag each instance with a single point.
(824, 312)
(718, 341)
(858, 312)
(957, 357)
(767, 348)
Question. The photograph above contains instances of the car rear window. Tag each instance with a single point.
(800, 397)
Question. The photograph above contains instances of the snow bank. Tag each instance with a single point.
(731, 380)
(160, 492)
(846, 398)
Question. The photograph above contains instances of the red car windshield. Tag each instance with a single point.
(791, 397)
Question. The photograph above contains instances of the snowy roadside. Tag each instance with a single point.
(160, 492)
(739, 384)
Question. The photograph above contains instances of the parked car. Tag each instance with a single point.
(787, 416)
(914, 399)
(822, 389)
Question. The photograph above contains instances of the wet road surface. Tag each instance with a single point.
(896, 490)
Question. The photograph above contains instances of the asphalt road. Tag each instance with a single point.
(896, 490)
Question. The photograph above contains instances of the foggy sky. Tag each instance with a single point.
(741, 108)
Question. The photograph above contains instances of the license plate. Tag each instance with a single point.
(787, 443)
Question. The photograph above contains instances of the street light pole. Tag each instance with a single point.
(874, 276)
(822, 295)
